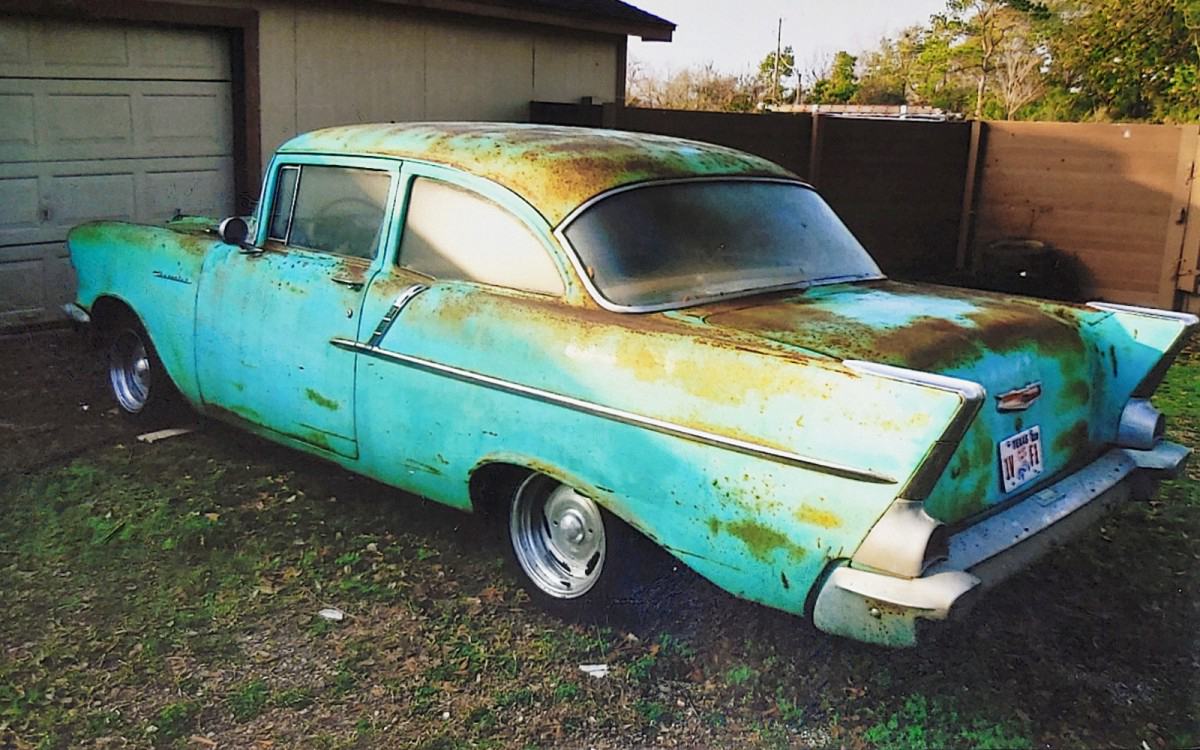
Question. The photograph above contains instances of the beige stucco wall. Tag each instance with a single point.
(333, 65)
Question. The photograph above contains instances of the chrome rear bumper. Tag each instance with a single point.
(879, 608)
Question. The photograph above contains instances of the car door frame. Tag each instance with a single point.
(254, 338)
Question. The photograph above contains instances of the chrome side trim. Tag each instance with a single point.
(600, 299)
(389, 317)
(618, 415)
(1151, 312)
(972, 394)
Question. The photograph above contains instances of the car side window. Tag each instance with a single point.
(336, 210)
(281, 206)
(455, 234)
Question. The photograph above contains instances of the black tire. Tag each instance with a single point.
(136, 378)
(571, 556)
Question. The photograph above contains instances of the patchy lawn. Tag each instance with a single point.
(167, 595)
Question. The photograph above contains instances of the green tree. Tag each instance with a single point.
(919, 67)
(840, 86)
(1130, 59)
(774, 81)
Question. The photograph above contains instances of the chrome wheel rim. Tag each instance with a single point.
(129, 371)
(557, 536)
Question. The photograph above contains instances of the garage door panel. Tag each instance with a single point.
(196, 193)
(113, 119)
(22, 289)
(18, 129)
(84, 197)
(29, 276)
(45, 48)
(88, 124)
(93, 45)
(182, 53)
(20, 206)
(187, 122)
(14, 42)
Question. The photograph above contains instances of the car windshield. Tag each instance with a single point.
(674, 244)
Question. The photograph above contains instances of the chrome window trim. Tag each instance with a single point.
(594, 292)
(385, 220)
(617, 415)
(291, 204)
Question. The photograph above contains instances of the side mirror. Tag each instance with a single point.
(234, 231)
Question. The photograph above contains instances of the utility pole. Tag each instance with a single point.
(778, 40)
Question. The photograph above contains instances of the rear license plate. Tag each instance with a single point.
(1020, 458)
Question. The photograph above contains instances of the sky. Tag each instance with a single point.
(736, 35)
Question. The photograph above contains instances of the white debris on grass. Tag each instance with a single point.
(332, 614)
(594, 670)
(154, 437)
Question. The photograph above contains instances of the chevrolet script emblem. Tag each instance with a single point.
(1019, 399)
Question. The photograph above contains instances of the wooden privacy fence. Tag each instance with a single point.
(927, 198)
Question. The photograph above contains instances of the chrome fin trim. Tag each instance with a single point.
(389, 317)
(1150, 312)
(618, 415)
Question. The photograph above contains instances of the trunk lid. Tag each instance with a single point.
(1004, 343)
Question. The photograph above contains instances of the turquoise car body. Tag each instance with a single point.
(828, 450)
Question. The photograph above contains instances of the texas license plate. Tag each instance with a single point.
(1020, 458)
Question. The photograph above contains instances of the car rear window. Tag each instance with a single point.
(678, 243)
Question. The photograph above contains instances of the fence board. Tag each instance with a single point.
(1121, 199)
(1100, 192)
(898, 185)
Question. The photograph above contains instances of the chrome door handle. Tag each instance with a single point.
(349, 281)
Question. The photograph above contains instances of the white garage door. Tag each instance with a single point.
(102, 121)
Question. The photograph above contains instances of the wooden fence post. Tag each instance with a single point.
(1183, 235)
(966, 221)
(814, 151)
(1187, 279)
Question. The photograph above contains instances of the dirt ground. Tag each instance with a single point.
(1096, 647)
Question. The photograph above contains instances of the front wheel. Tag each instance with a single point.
(564, 546)
(139, 385)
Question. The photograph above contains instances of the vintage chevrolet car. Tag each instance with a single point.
(596, 335)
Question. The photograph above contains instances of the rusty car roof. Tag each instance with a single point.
(555, 168)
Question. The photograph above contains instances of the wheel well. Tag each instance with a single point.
(492, 485)
(107, 311)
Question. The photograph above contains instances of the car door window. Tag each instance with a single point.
(281, 207)
(331, 209)
(456, 234)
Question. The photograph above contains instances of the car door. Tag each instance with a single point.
(469, 257)
(266, 315)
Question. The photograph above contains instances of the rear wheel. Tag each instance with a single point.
(139, 385)
(564, 547)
